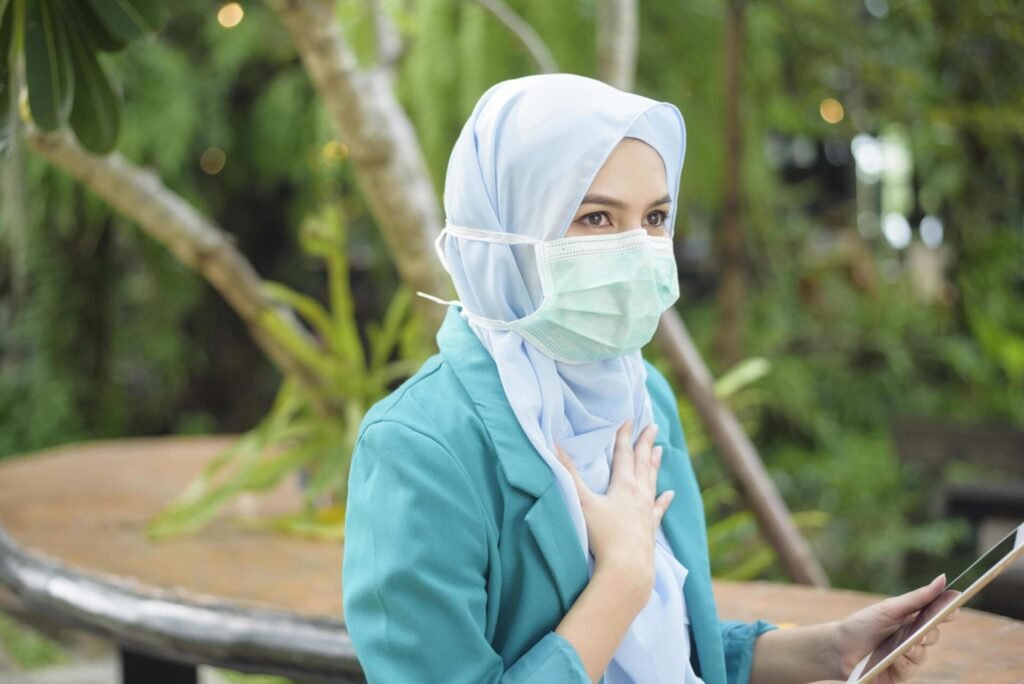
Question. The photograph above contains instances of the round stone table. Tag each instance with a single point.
(72, 548)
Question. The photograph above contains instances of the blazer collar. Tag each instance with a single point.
(524, 468)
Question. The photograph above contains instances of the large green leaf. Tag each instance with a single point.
(6, 22)
(102, 37)
(4, 19)
(96, 112)
(128, 19)
(47, 65)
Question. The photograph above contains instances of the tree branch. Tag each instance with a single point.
(738, 452)
(390, 46)
(530, 39)
(617, 28)
(385, 150)
(139, 195)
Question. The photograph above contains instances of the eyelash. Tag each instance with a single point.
(583, 219)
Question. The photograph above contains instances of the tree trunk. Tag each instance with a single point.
(732, 288)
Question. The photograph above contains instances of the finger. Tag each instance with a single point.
(642, 451)
(581, 487)
(622, 458)
(932, 637)
(646, 438)
(903, 668)
(952, 616)
(656, 453)
(917, 654)
(661, 505)
(899, 607)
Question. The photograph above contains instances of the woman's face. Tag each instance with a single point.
(628, 192)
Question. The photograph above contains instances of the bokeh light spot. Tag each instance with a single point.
(230, 15)
(831, 110)
(212, 160)
(896, 230)
(335, 150)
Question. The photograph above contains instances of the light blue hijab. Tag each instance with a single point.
(522, 164)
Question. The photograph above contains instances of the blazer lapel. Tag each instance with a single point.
(547, 520)
(559, 545)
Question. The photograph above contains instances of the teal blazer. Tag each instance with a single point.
(460, 558)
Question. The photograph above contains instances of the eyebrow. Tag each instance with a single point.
(612, 202)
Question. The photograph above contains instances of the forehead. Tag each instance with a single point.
(632, 167)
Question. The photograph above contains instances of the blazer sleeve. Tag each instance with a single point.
(414, 571)
(738, 640)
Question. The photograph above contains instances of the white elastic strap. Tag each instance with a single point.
(489, 235)
(440, 250)
(444, 262)
(473, 234)
(486, 322)
(438, 299)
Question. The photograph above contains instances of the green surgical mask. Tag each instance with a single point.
(602, 295)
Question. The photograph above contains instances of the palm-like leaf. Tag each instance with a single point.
(6, 48)
(67, 85)
(48, 65)
(96, 112)
(127, 20)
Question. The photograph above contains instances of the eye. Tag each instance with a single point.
(657, 218)
(593, 219)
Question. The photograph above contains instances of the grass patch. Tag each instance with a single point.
(29, 649)
(240, 678)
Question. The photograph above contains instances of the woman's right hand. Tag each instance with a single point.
(622, 523)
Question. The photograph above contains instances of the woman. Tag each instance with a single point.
(523, 508)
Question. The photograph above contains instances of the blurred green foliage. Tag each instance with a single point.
(737, 549)
(297, 434)
(27, 647)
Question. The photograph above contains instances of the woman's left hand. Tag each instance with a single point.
(861, 632)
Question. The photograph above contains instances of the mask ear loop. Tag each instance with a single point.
(486, 236)
(473, 234)
(439, 250)
(444, 262)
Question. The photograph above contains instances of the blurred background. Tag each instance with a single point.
(850, 243)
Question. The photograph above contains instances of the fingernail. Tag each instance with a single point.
(942, 577)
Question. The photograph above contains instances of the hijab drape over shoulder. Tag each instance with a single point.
(522, 165)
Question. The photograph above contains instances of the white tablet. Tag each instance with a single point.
(957, 592)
